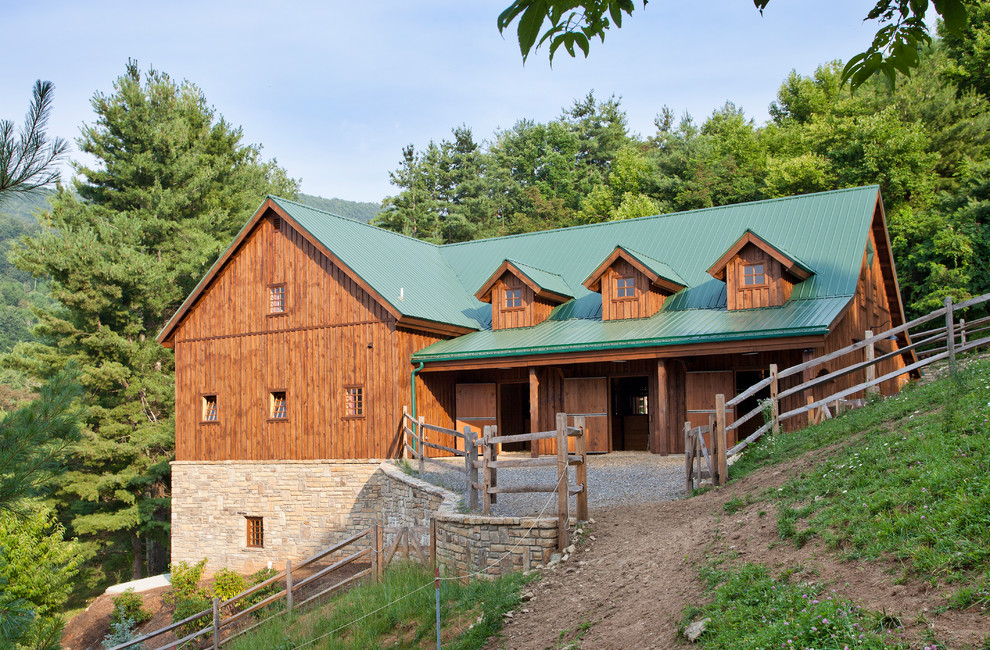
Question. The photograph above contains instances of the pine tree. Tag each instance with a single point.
(172, 185)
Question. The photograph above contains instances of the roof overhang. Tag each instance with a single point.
(484, 294)
(791, 264)
(665, 280)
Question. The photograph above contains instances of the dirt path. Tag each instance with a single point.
(627, 587)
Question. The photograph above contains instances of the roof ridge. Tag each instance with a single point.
(515, 261)
(355, 221)
(659, 216)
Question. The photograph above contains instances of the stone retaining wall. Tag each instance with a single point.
(309, 505)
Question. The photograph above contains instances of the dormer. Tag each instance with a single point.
(522, 295)
(632, 285)
(757, 273)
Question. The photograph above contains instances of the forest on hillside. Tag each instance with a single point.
(85, 498)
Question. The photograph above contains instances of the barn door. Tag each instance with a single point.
(475, 408)
(588, 396)
(702, 387)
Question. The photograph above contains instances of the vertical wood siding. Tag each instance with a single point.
(646, 301)
(534, 309)
(775, 292)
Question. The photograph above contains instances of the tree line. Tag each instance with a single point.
(924, 142)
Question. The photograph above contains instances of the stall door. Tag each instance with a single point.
(702, 387)
(475, 408)
(588, 396)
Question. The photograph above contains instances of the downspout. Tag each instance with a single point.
(412, 377)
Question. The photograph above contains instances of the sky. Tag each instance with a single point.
(334, 90)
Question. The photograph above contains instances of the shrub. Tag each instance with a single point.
(186, 596)
(227, 584)
(121, 631)
(129, 606)
(257, 578)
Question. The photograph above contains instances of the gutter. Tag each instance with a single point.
(412, 383)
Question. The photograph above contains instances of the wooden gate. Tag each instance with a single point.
(588, 397)
(475, 408)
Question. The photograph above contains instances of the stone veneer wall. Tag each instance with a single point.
(306, 506)
(309, 505)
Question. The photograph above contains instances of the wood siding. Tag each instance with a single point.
(774, 292)
(588, 396)
(646, 301)
(333, 334)
(534, 309)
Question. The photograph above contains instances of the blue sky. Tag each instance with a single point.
(334, 90)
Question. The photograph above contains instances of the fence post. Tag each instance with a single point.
(812, 418)
(871, 370)
(563, 516)
(581, 448)
(471, 472)
(422, 447)
(775, 403)
(216, 623)
(486, 471)
(688, 458)
(405, 436)
(950, 335)
(288, 586)
(376, 550)
(433, 542)
(494, 458)
(962, 331)
(719, 440)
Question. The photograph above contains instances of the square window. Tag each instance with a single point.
(753, 275)
(210, 413)
(354, 401)
(276, 299)
(513, 298)
(255, 532)
(278, 410)
(625, 287)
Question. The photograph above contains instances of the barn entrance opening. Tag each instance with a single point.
(513, 414)
(745, 379)
(630, 414)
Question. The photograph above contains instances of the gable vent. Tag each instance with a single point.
(276, 222)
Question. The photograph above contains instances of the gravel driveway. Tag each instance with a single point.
(621, 477)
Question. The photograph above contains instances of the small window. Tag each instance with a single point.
(354, 402)
(513, 298)
(278, 410)
(255, 532)
(210, 413)
(753, 275)
(625, 287)
(276, 299)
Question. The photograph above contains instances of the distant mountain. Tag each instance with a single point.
(22, 207)
(357, 210)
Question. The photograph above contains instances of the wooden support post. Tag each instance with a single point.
(405, 436)
(422, 447)
(775, 405)
(486, 472)
(950, 335)
(534, 411)
(581, 447)
(494, 457)
(871, 370)
(376, 552)
(962, 331)
(719, 440)
(563, 515)
(433, 542)
(688, 458)
(405, 543)
(288, 586)
(216, 623)
(470, 471)
(812, 420)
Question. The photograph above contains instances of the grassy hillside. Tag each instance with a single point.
(21, 207)
(357, 210)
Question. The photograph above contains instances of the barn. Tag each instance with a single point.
(297, 352)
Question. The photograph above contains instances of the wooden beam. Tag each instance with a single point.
(660, 411)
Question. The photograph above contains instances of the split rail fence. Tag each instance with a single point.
(940, 343)
(225, 620)
(481, 464)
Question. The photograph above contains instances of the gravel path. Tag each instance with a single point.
(618, 478)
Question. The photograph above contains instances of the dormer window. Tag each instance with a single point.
(625, 287)
(522, 295)
(513, 298)
(753, 275)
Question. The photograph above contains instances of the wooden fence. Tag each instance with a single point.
(487, 463)
(224, 621)
(941, 343)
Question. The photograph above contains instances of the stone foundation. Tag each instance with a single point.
(309, 505)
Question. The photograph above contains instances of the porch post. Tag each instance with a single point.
(660, 412)
(534, 411)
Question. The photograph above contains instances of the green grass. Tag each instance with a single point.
(752, 609)
(398, 613)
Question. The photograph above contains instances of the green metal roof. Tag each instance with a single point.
(543, 279)
(658, 267)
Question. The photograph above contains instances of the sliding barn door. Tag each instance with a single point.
(475, 408)
(588, 396)
(702, 387)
